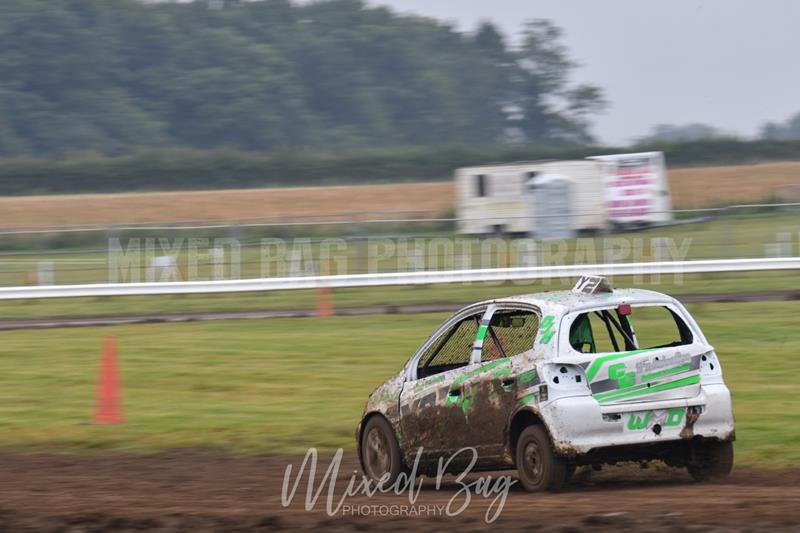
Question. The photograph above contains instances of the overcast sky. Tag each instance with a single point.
(732, 64)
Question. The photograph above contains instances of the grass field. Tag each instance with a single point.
(280, 386)
(745, 235)
(691, 187)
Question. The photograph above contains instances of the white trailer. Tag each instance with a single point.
(557, 199)
(491, 199)
(636, 189)
(531, 198)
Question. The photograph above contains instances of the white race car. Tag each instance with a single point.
(546, 382)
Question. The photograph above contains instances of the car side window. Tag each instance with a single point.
(510, 332)
(453, 349)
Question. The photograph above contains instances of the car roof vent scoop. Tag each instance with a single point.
(592, 285)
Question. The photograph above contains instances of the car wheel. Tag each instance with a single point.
(380, 452)
(538, 467)
(714, 461)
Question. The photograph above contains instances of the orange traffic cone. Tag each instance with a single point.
(324, 302)
(109, 404)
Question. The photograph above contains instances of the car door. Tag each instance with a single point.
(467, 405)
(434, 400)
(509, 331)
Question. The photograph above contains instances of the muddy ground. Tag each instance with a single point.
(203, 491)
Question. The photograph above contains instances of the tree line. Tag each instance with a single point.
(786, 130)
(174, 169)
(113, 77)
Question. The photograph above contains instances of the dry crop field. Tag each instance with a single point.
(691, 187)
(277, 205)
(698, 187)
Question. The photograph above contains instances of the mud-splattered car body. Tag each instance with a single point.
(540, 359)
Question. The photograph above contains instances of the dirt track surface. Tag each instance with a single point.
(198, 491)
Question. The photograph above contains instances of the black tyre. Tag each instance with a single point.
(380, 452)
(538, 467)
(714, 460)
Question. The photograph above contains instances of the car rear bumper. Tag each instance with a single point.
(579, 425)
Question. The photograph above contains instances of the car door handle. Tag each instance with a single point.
(454, 392)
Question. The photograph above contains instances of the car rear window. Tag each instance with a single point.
(646, 327)
(657, 327)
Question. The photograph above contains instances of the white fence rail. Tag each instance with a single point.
(399, 278)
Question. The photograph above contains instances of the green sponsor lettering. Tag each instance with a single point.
(636, 422)
(667, 372)
(674, 417)
(644, 389)
(624, 379)
(598, 363)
